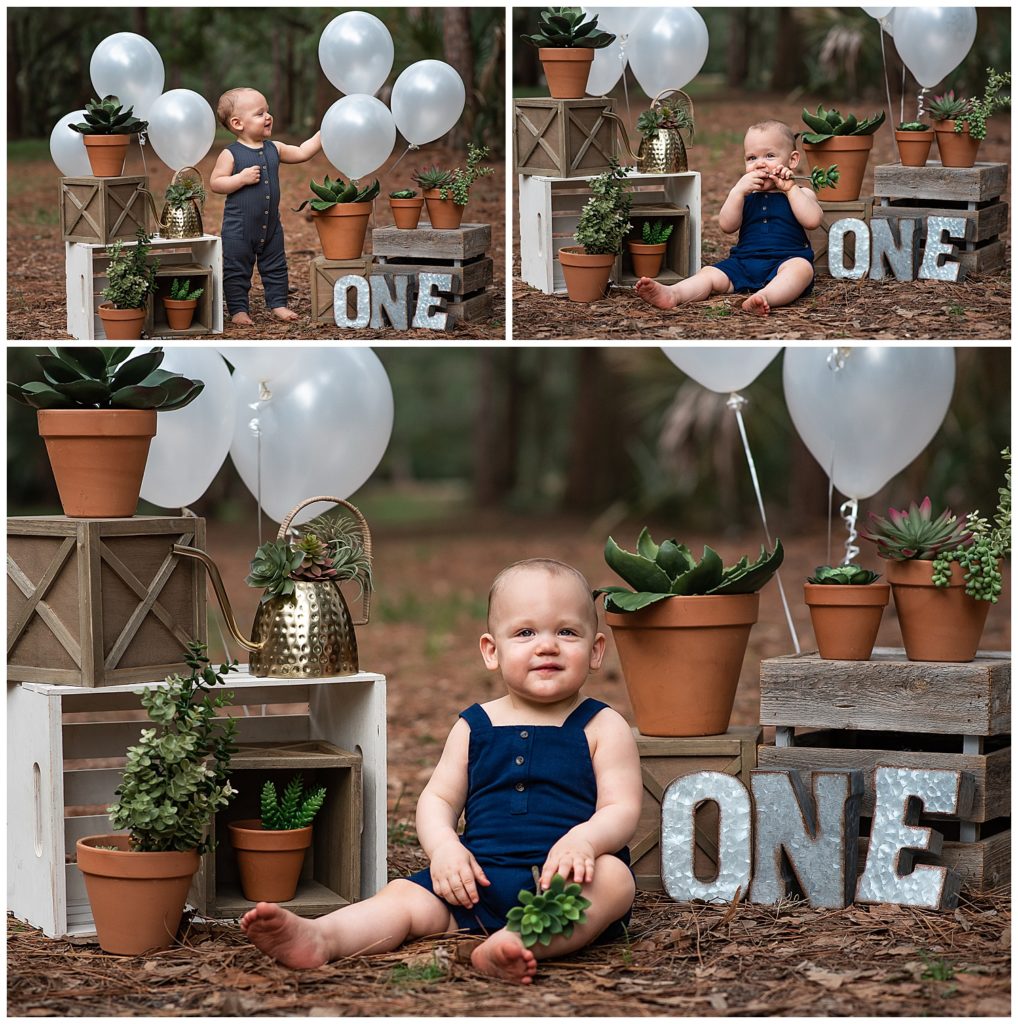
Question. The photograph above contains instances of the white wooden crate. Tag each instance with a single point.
(63, 768)
(549, 211)
(86, 265)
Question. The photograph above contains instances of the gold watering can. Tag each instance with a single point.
(308, 634)
(666, 152)
(182, 221)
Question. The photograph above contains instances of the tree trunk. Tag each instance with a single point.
(459, 53)
(739, 34)
(497, 426)
(788, 69)
(15, 99)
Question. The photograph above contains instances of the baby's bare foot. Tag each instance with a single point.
(504, 956)
(655, 293)
(292, 940)
(285, 313)
(242, 319)
(757, 304)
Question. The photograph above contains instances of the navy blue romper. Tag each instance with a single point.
(769, 235)
(527, 786)
(252, 232)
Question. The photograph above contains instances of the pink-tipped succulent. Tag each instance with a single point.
(914, 533)
(316, 563)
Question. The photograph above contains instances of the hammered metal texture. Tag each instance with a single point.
(678, 836)
(902, 259)
(307, 635)
(392, 303)
(939, 231)
(836, 249)
(664, 154)
(429, 313)
(181, 222)
(363, 289)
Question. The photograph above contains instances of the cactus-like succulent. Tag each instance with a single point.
(915, 533)
(657, 233)
(272, 568)
(843, 576)
(948, 107)
(455, 184)
(404, 193)
(662, 118)
(297, 809)
(825, 124)
(432, 177)
(181, 290)
(315, 564)
(912, 126)
(541, 916)
(108, 117)
(563, 27)
(330, 193)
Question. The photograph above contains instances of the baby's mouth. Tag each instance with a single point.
(549, 666)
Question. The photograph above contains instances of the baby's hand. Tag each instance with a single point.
(569, 856)
(250, 175)
(455, 873)
(751, 181)
(783, 179)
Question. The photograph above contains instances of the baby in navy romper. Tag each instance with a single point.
(547, 779)
(773, 260)
(247, 173)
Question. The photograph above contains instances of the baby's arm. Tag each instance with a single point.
(619, 797)
(224, 181)
(807, 210)
(730, 217)
(298, 154)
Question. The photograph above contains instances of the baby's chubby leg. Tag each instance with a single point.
(792, 279)
(702, 285)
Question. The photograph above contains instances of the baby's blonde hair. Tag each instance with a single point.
(228, 104)
(779, 126)
(550, 565)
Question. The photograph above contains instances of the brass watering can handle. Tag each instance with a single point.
(365, 534)
(178, 177)
(689, 100)
(623, 131)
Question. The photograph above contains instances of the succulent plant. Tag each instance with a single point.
(184, 191)
(824, 177)
(345, 543)
(663, 118)
(541, 916)
(272, 568)
(562, 27)
(404, 193)
(330, 193)
(315, 564)
(977, 110)
(915, 533)
(843, 575)
(181, 291)
(912, 126)
(432, 177)
(948, 107)
(455, 184)
(825, 124)
(297, 809)
(108, 117)
(657, 233)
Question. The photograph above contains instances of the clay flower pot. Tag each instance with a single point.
(586, 274)
(106, 154)
(180, 313)
(647, 259)
(98, 458)
(137, 899)
(567, 69)
(121, 324)
(846, 618)
(937, 623)
(914, 147)
(341, 230)
(850, 153)
(269, 860)
(406, 212)
(444, 214)
(957, 149)
(681, 659)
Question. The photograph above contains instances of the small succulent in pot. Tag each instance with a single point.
(664, 118)
(404, 193)
(843, 576)
(181, 290)
(455, 184)
(296, 809)
(656, 233)
(826, 124)
(566, 28)
(108, 117)
(948, 107)
(183, 192)
(914, 533)
(332, 193)
(912, 126)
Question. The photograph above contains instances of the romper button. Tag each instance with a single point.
(524, 734)
(519, 759)
(519, 787)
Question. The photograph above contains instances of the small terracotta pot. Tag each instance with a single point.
(106, 154)
(914, 147)
(647, 259)
(937, 623)
(341, 229)
(121, 324)
(846, 618)
(567, 69)
(850, 153)
(180, 313)
(406, 212)
(137, 899)
(98, 458)
(957, 149)
(681, 659)
(586, 274)
(270, 861)
(444, 214)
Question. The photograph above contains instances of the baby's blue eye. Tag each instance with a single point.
(567, 631)
(525, 632)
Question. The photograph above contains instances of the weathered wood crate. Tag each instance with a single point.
(104, 210)
(200, 277)
(860, 209)
(101, 602)
(663, 759)
(564, 138)
(675, 266)
(324, 275)
(972, 193)
(66, 747)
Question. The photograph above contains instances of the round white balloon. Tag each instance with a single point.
(667, 48)
(267, 364)
(355, 52)
(358, 134)
(933, 41)
(878, 12)
(68, 147)
(427, 100)
(722, 369)
(866, 421)
(618, 20)
(129, 67)
(181, 128)
(606, 70)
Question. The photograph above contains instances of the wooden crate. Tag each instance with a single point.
(66, 746)
(101, 602)
(663, 759)
(563, 138)
(675, 266)
(324, 275)
(200, 277)
(549, 211)
(861, 209)
(103, 210)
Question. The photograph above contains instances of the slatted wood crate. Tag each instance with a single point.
(324, 275)
(200, 277)
(101, 602)
(860, 209)
(663, 759)
(66, 747)
(103, 210)
(675, 265)
(564, 138)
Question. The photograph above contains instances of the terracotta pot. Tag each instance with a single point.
(444, 214)
(937, 623)
(681, 659)
(121, 324)
(846, 618)
(586, 274)
(270, 861)
(180, 313)
(106, 154)
(914, 147)
(957, 149)
(98, 458)
(647, 259)
(567, 69)
(137, 899)
(341, 230)
(406, 212)
(850, 153)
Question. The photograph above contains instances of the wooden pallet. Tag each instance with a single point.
(860, 209)
(324, 275)
(564, 138)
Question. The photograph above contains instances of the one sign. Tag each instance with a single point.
(389, 297)
(875, 244)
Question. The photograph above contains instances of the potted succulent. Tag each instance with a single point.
(130, 279)
(97, 414)
(845, 139)
(340, 211)
(175, 779)
(961, 124)
(181, 304)
(682, 631)
(181, 216)
(406, 206)
(448, 192)
(600, 232)
(566, 40)
(106, 132)
(845, 604)
(914, 140)
(649, 253)
(662, 148)
(270, 850)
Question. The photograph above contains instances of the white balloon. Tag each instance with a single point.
(867, 421)
(667, 48)
(269, 365)
(356, 52)
(606, 69)
(326, 435)
(878, 12)
(191, 444)
(933, 41)
(618, 20)
(68, 147)
(427, 101)
(181, 127)
(358, 134)
(129, 67)
(722, 369)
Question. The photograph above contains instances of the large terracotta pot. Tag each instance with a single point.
(567, 69)
(121, 324)
(137, 899)
(180, 313)
(106, 154)
(850, 153)
(681, 659)
(444, 214)
(406, 212)
(98, 458)
(937, 623)
(341, 230)
(586, 274)
(270, 861)
(647, 259)
(914, 147)
(846, 618)
(957, 149)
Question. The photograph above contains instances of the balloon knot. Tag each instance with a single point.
(736, 401)
(838, 357)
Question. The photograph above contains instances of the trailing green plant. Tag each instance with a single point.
(108, 117)
(105, 378)
(130, 276)
(297, 809)
(664, 117)
(331, 193)
(404, 193)
(190, 189)
(843, 576)
(567, 27)
(177, 776)
(915, 533)
(948, 107)
(604, 219)
(981, 108)
(657, 233)
(912, 126)
(826, 124)
(182, 292)
(824, 177)
(541, 915)
(658, 571)
(455, 184)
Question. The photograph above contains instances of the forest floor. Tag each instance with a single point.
(678, 960)
(978, 308)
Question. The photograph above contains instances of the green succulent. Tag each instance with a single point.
(915, 533)
(315, 563)
(982, 107)
(566, 27)
(181, 291)
(824, 177)
(344, 540)
(826, 124)
(540, 916)
(404, 193)
(108, 117)
(184, 192)
(663, 118)
(297, 808)
(948, 107)
(272, 568)
(455, 184)
(604, 219)
(657, 233)
(912, 126)
(331, 193)
(843, 575)
(432, 177)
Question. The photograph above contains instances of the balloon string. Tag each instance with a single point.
(887, 86)
(830, 508)
(902, 108)
(850, 513)
(410, 147)
(142, 139)
(735, 403)
(255, 426)
(921, 104)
